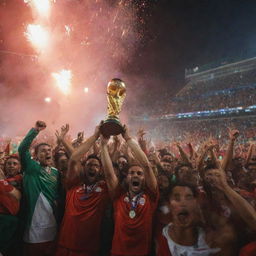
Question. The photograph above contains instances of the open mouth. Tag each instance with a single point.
(183, 216)
(135, 183)
(48, 158)
(91, 174)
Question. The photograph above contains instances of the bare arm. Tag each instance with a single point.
(111, 179)
(183, 155)
(249, 154)
(241, 206)
(142, 142)
(233, 134)
(61, 138)
(140, 156)
(200, 162)
(74, 169)
(116, 152)
(84, 148)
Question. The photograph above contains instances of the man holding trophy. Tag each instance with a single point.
(134, 207)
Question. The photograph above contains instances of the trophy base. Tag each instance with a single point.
(111, 127)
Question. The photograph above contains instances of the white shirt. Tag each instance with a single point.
(198, 249)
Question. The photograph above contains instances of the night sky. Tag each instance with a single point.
(190, 33)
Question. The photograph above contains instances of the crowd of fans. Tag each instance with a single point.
(232, 90)
(228, 91)
(186, 189)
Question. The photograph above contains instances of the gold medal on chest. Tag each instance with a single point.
(132, 214)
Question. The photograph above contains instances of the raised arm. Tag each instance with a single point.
(116, 149)
(61, 138)
(183, 155)
(233, 134)
(141, 140)
(111, 178)
(26, 143)
(241, 206)
(140, 156)
(84, 148)
(249, 154)
(73, 173)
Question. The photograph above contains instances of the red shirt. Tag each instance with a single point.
(162, 248)
(133, 236)
(80, 229)
(8, 203)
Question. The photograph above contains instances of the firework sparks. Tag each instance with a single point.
(38, 36)
(42, 7)
(63, 80)
(47, 99)
(67, 29)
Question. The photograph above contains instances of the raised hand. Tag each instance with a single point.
(63, 132)
(233, 134)
(219, 179)
(103, 140)
(126, 134)
(97, 130)
(40, 125)
(80, 136)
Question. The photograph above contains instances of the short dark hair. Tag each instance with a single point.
(123, 156)
(177, 168)
(210, 166)
(14, 156)
(91, 156)
(166, 161)
(39, 145)
(183, 184)
(58, 155)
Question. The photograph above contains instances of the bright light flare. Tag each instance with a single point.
(38, 36)
(47, 99)
(67, 29)
(42, 7)
(86, 90)
(63, 80)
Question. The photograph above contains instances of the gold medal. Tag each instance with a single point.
(132, 214)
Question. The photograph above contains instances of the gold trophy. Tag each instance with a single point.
(116, 92)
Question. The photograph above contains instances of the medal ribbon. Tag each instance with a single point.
(88, 191)
(134, 203)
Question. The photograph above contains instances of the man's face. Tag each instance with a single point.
(167, 157)
(122, 162)
(12, 167)
(209, 177)
(92, 170)
(183, 206)
(167, 166)
(62, 164)
(163, 182)
(135, 179)
(189, 175)
(44, 155)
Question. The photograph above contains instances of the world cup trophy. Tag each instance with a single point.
(116, 92)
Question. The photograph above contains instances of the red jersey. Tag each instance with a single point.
(85, 207)
(8, 203)
(133, 234)
(162, 248)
